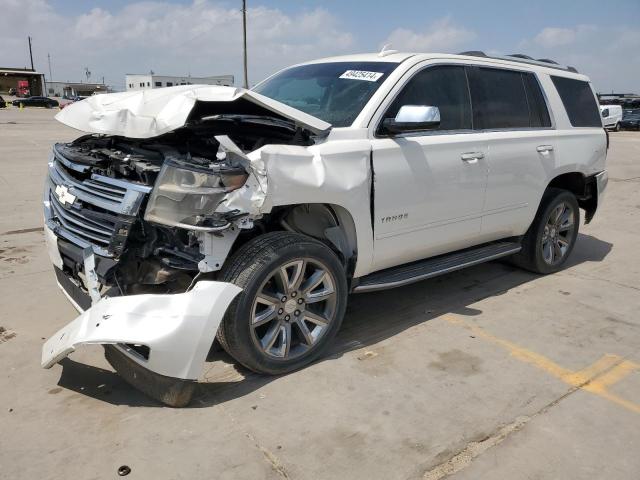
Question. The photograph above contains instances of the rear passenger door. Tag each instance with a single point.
(510, 108)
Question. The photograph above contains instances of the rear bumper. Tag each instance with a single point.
(602, 180)
(597, 185)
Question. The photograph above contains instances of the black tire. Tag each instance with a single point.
(48, 105)
(253, 265)
(532, 257)
(617, 127)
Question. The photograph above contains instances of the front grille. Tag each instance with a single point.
(114, 195)
(90, 209)
(79, 222)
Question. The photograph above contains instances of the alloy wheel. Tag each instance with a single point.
(293, 309)
(558, 233)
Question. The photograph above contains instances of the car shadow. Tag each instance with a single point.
(101, 384)
(370, 318)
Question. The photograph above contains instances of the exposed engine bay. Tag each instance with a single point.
(147, 206)
(144, 214)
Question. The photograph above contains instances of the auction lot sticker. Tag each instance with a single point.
(362, 75)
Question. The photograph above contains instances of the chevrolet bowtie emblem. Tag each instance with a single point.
(64, 196)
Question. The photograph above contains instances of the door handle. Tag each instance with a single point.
(545, 148)
(472, 157)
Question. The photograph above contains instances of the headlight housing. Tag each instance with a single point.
(186, 195)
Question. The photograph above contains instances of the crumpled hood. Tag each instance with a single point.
(149, 113)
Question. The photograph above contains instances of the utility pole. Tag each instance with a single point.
(30, 54)
(49, 60)
(244, 41)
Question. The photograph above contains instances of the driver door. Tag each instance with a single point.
(429, 186)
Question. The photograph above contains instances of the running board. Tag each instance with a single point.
(432, 267)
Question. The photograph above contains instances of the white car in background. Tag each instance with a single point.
(195, 212)
(611, 116)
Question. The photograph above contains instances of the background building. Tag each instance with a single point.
(13, 78)
(151, 80)
(73, 89)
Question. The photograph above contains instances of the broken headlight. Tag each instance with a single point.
(186, 196)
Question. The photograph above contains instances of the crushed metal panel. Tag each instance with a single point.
(250, 197)
(335, 171)
(149, 113)
(178, 328)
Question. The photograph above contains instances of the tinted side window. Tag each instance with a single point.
(499, 99)
(538, 112)
(444, 87)
(579, 102)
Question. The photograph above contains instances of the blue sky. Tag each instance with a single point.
(202, 37)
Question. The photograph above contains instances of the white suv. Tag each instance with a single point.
(196, 212)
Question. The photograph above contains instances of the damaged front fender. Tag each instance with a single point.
(178, 329)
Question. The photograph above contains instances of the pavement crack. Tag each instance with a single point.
(473, 449)
(269, 456)
(275, 463)
(464, 457)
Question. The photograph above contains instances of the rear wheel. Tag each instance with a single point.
(294, 294)
(617, 127)
(552, 235)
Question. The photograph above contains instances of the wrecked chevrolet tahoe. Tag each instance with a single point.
(194, 213)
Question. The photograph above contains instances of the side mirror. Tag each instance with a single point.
(605, 113)
(413, 118)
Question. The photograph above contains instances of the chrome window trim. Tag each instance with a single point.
(404, 80)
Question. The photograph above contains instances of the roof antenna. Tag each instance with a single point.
(384, 52)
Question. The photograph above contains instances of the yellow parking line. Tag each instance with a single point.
(595, 378)
(613, 376)
(586, 375)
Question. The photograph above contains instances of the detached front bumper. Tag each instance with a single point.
(158, 343)
(177, 330)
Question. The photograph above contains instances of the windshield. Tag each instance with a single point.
(334, 92)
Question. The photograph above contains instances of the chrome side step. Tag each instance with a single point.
(432, 267)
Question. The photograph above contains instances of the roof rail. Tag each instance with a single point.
(522, 58)
(474, 53)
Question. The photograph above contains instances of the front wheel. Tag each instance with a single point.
(294, 294)
(552, 235)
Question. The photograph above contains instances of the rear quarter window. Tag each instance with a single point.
(579, 102)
